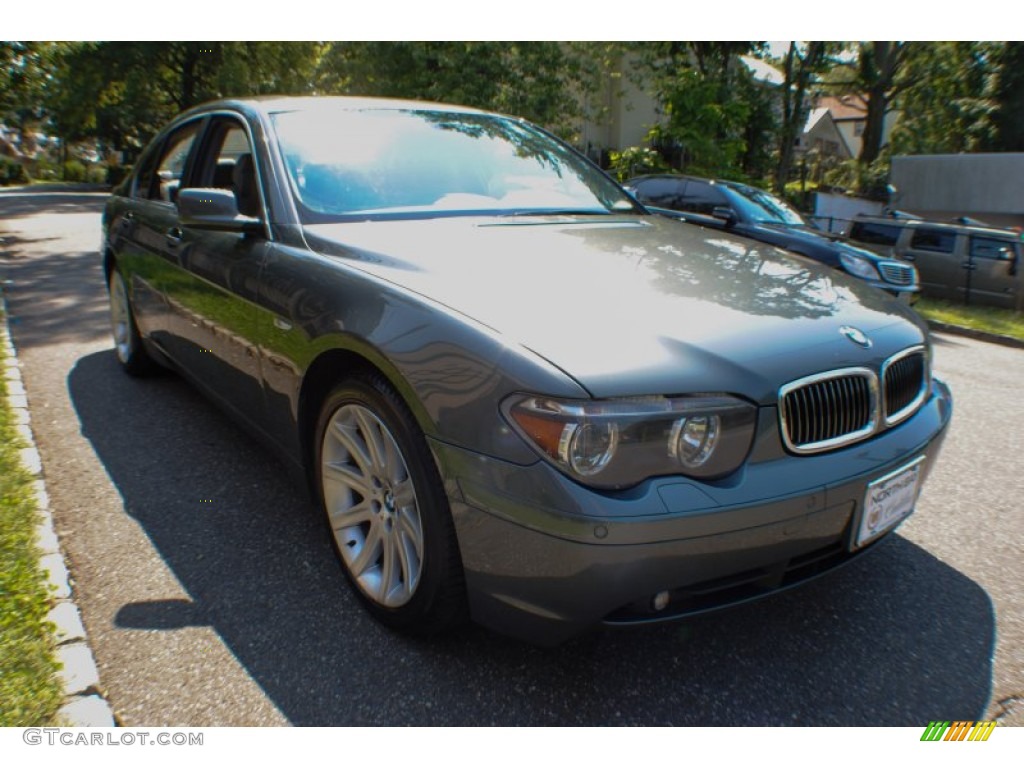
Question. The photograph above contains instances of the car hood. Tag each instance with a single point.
(634, 305)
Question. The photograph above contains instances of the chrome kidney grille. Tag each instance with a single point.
(836, 408)
(897, 272)
(905, 384)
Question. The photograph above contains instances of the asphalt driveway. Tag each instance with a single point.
(211, 595)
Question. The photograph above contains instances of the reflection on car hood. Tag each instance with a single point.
(633, 304)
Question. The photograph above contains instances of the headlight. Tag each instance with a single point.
(619, 443)
(858, 266)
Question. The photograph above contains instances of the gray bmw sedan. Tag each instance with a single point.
(515, 394)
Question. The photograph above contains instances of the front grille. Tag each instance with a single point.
(829, 410)
(905, 384)
(897, 273)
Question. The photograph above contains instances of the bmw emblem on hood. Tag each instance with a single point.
(856, 335)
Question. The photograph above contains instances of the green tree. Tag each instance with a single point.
(24, 70)
(1008, 95)
(947, 103)
(880, 79)
(541, 81)
(803, 64)
(700, 87)
(122, 92)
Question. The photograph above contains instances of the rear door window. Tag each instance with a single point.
(660, 191)
(937, 240)
(875, 234)
(991, 248)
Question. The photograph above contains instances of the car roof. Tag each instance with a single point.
(269, 105)
(679, 177)
(910, 220)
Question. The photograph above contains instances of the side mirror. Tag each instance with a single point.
(726, 213)
(214, 209)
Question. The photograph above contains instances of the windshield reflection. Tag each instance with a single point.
(397, 162)
(763, 208)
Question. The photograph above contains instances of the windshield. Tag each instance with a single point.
(763, 208)
(394, 162)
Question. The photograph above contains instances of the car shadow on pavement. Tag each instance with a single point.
(896, 638)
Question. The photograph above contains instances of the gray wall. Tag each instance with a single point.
(989, 187)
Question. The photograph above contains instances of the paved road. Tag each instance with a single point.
(234, 612)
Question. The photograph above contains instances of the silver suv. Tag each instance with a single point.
(957, 261)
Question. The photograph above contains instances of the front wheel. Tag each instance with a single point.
(386, 508)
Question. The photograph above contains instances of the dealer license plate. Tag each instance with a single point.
(889, 500)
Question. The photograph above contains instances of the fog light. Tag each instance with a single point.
(660, 601)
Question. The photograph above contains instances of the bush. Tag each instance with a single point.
(74, 170)
(12, 172)
(96, 174)
(634, 161)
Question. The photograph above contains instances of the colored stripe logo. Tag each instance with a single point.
(959, 730)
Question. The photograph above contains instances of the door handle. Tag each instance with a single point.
(909, 257)
(173, 237)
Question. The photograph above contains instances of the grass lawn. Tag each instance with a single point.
(30, 691)
(1004, 322)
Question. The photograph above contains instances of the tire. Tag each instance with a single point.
(131, 353)
(385, 505)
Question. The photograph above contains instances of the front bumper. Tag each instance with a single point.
(546, 559)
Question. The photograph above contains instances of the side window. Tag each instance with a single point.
(933, 240)
(147, 171)
(659, 191)
(226, 162)
(876, 234)
(171, 165)
(991, 248)
(702, 197)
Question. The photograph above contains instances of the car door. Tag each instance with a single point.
(940, 270)
(143, 237)
(993, 270)
(213, 290)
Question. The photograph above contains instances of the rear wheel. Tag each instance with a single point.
(386, 508)
(127, 342)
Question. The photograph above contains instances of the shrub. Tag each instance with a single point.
(12, 172)
(634, 161)
(74, 170)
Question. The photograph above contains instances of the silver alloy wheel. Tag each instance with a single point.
(120, 317)
(371, 504)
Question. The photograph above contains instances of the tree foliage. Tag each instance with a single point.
(697, 84)
(803, 65)
(1008, 96)
(537, 80)
(946, 105)
(121, 92)
(714, 117)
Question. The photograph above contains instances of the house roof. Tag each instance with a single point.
(813, 117)
(850, 106)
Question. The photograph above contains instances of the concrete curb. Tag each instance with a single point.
(971, 333)
(84, 704)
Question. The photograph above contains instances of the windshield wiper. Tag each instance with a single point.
(559, 212)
